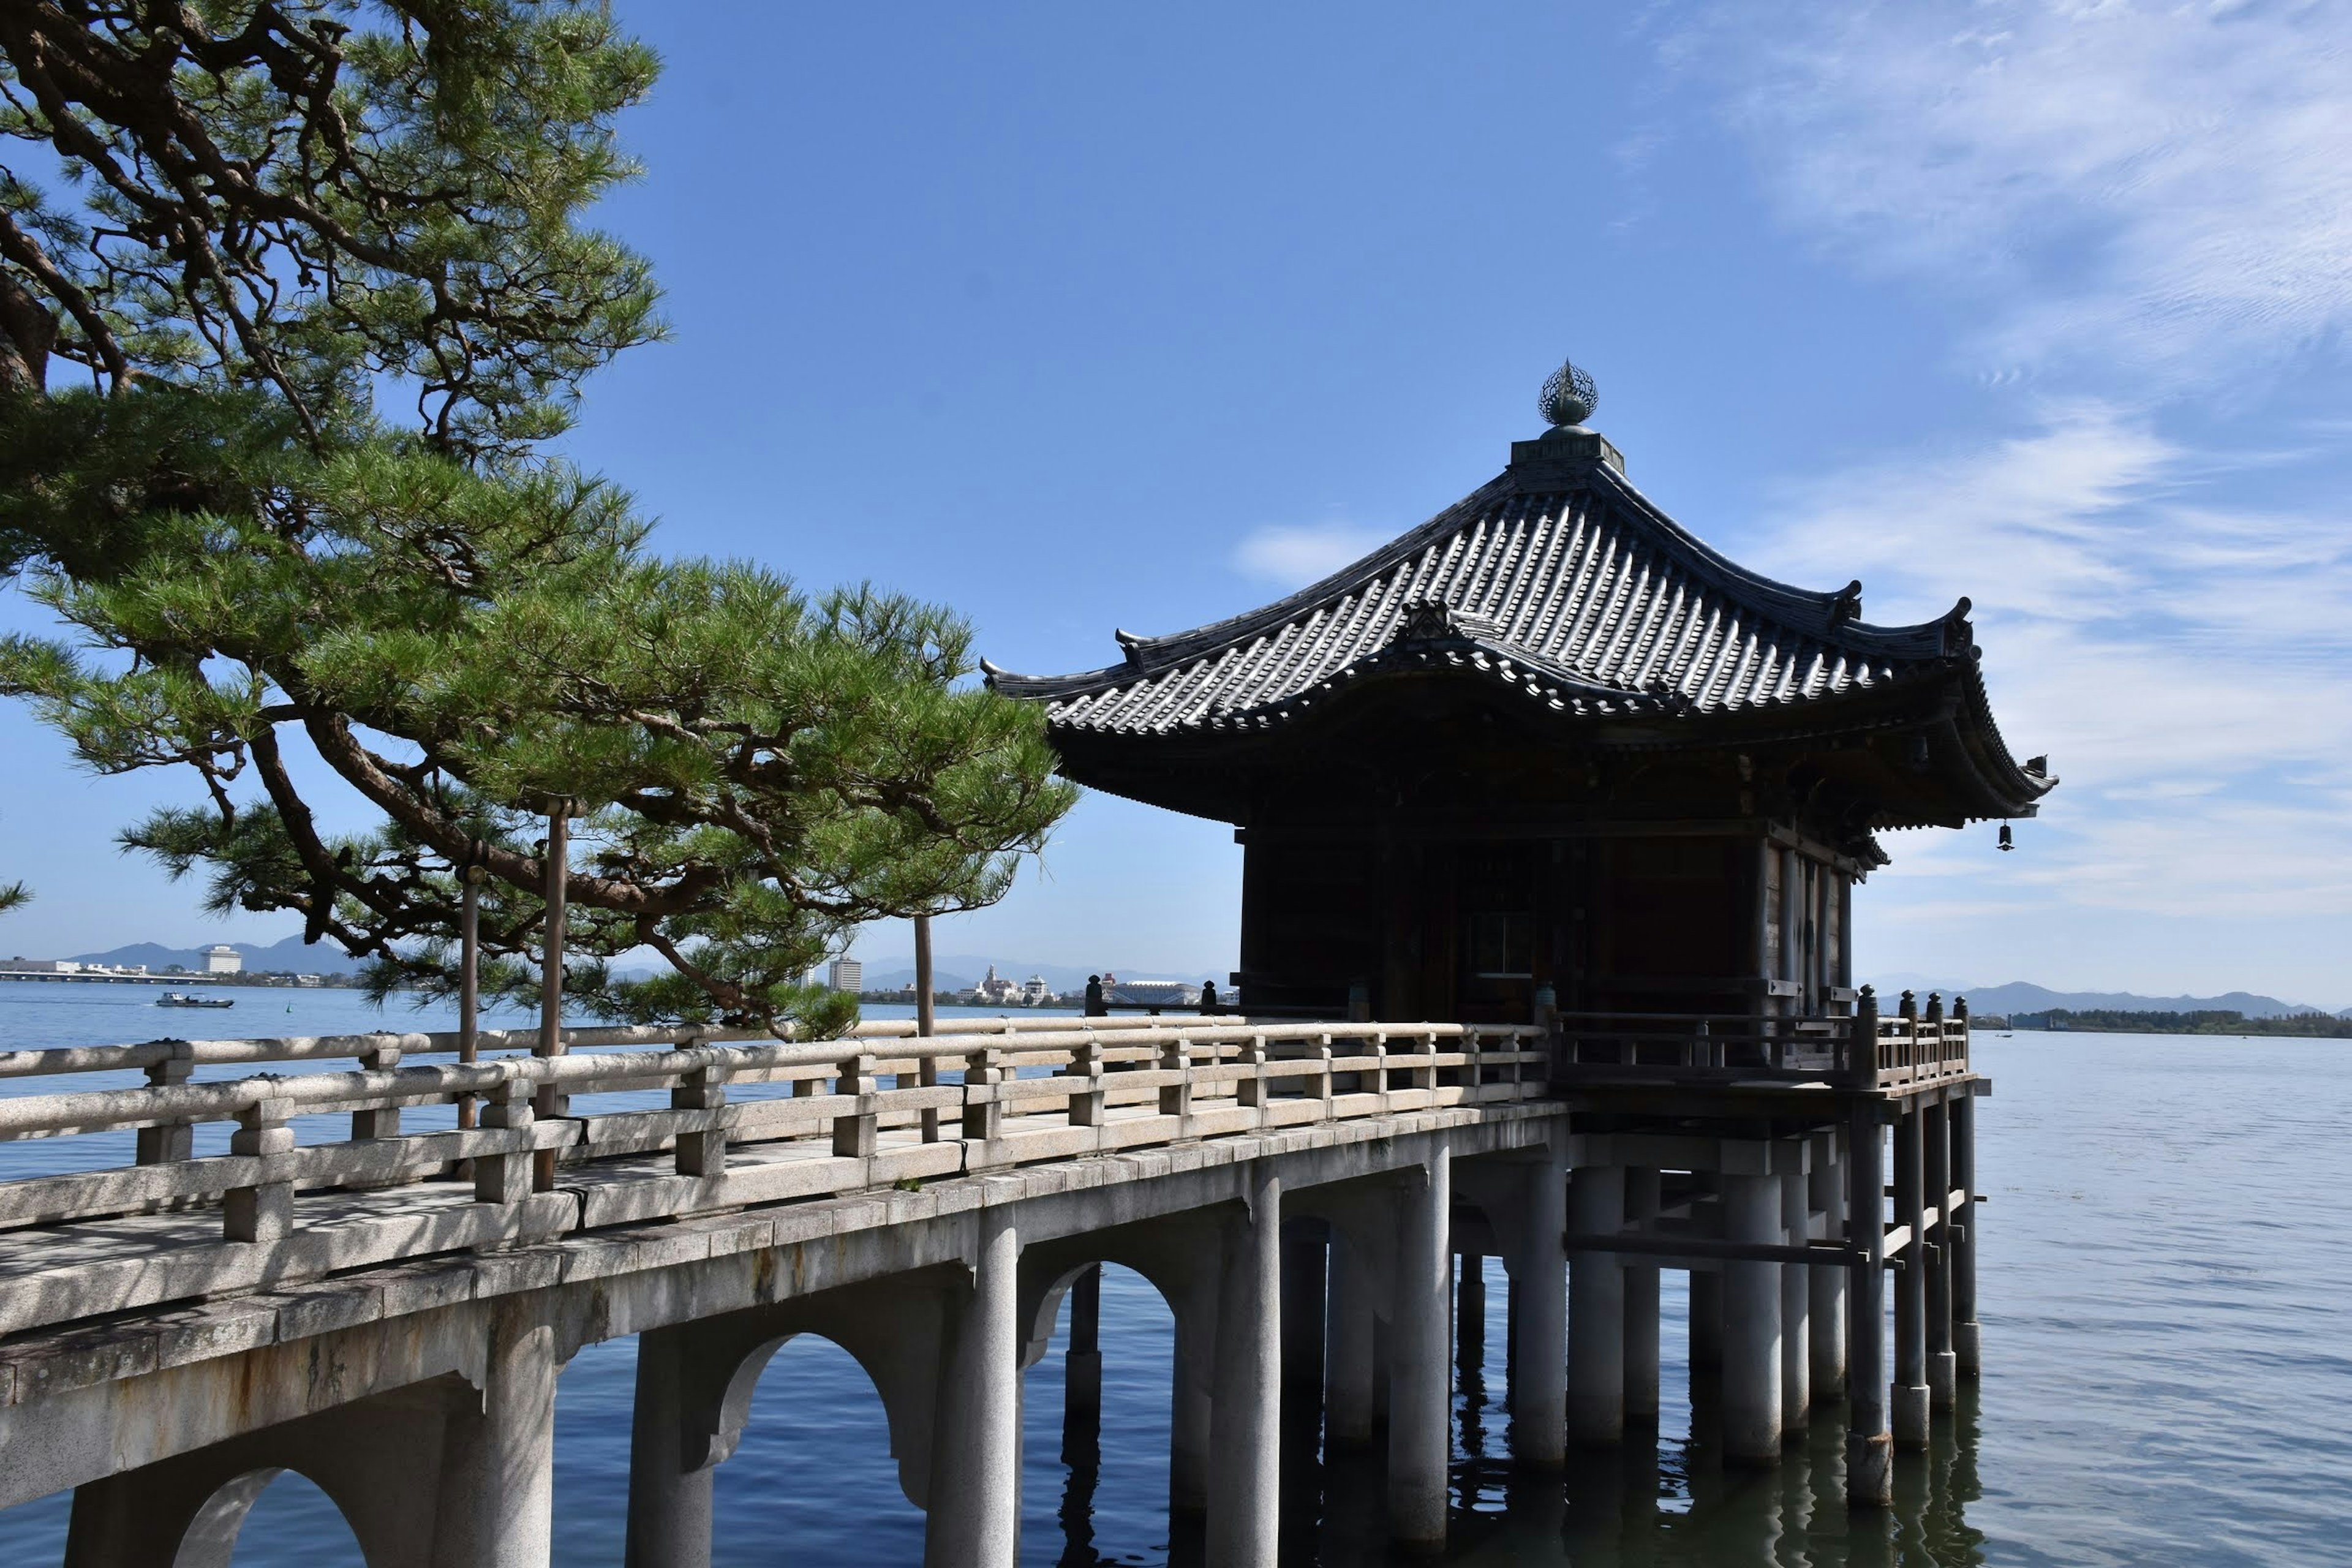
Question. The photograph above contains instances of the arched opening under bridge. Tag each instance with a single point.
(1096, 1473)
(269, 1519)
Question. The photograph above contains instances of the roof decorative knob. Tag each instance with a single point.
(1569, 397)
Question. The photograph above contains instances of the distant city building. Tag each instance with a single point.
(996, 991)
(846, 974)
(222, 958)
(38, 966)
(1034, 991)
(1151, 993)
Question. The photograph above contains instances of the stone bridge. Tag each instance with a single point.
(385, 1307)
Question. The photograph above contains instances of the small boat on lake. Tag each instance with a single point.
(183, 999)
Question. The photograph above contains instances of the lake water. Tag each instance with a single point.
(2165, 1298)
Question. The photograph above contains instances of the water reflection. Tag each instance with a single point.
(1668, 1503)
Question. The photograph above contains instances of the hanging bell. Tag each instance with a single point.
(2007, 841)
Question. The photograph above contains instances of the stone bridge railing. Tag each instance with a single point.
(567, 1143)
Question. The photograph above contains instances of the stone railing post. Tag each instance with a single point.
(1424, 1076)
(983, 1117)
(1323, 1085)
(1251, 1091)
(1086, 1065)
(264, 1211)
(701, 1153)
(383, 1120)
(505, 1178)
(1175, 1099)
(857, 1132)
(169, 1141)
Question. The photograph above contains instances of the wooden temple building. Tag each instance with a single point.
(1547, 750)
(1550, 758)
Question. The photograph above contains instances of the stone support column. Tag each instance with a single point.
(1936, 1161)
(1538, 1327)
(1869, 1448)
(1420, 1384)
(1641, 1201)
(1966, 1347)
(1348, 1354)
(1826, 1320)
(1796, 1295)
(1245, 1425)
(1305, 1301)
(511, 1500)
(1751, 1325)
(1596, 1311)
(1082, 1373)
(975, 1486)
(1908, 1397)
(669, 1490)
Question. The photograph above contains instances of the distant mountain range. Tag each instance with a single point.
(2020, 996)
(290, 955)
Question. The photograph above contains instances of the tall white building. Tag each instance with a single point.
(222, 958)
(846, 974)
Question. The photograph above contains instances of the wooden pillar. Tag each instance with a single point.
(1705, 1337)
(1420, 1435)
(1968, 1351)
(1469, 1314)
(1642, 1202)
(1596, 1310)
(1907, 1397)
(1539, 1325)
(1752, 1324)
(1936, 1150)
(1826, 1320)
(1796, 1291)
(1869, 1447)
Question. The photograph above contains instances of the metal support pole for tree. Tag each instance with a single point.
(470, 992)
(928, 1071)
(551, 1100)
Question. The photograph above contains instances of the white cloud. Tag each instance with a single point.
(1293, 557)
(2164, 183)
(2185, 665)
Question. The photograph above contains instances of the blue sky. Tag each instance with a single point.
(1084, 317)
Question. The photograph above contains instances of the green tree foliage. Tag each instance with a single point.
(292, 295)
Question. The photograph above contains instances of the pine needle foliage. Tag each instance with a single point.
(286, 318)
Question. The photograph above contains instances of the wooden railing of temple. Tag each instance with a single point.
(734, 1124)
(1860, 1050)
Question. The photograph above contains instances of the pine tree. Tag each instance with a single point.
(293, 296)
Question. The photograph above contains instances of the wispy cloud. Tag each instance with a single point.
(2161, 183)
(1291, 556)
(2137, 202)
(2186, 664)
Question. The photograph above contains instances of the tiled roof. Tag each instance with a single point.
(1564, 582)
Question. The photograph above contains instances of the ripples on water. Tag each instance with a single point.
(2164, 1296)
